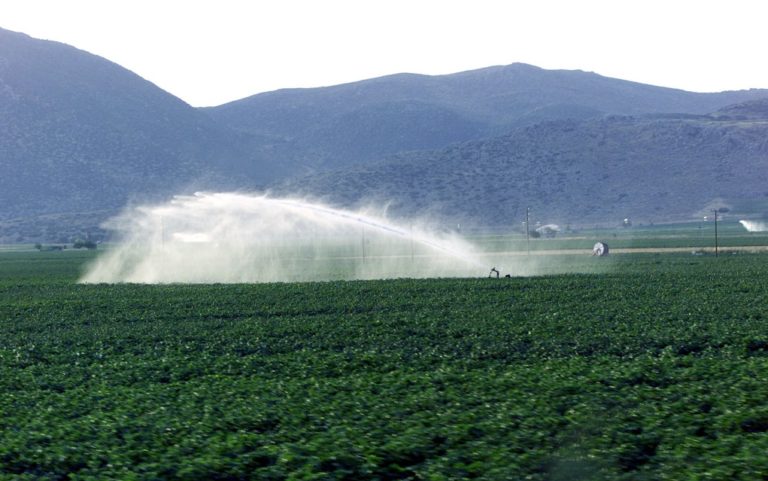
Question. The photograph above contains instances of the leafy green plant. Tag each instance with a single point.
(651, 369)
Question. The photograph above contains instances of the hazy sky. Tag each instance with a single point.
(212, 52)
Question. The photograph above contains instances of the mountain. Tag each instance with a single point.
(80, 134)
(653, 168)
(345, 125)
(81, 137)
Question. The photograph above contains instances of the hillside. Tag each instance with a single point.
(83, 134)
(751, 110)
(577, 172)
(82, 137)
(345, 125)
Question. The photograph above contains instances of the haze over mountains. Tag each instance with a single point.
(81, 137)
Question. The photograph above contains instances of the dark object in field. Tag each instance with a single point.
(493, 269)
(52, 248)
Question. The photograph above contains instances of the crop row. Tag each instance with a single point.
(653, 369)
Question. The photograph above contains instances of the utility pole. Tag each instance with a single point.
(715, 211)
(363, 243)
(527, 231)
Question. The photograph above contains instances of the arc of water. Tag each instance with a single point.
(364, 220)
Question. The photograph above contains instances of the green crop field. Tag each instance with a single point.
(688, 235)
(640, 367)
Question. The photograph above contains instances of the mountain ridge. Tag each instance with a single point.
(480, 103)
(82, 136)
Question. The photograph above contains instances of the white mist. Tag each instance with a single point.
(233, 237)
(754, 226)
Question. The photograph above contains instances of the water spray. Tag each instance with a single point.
(754, 226)
(231, 237)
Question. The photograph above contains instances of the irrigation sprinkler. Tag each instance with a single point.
(600, 249)
(234, 237)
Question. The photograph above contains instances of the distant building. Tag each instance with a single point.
(548, 230)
